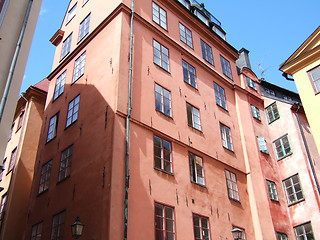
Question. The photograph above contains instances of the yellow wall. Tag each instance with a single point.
(310, 100)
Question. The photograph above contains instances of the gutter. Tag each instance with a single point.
(307, 148)
(127, 170)
(14, 60)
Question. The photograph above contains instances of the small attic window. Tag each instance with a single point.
(57, 37)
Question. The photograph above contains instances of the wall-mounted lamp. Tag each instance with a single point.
(237, 233)
(76, 228)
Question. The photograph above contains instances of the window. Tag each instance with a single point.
(293, 189)
(272, 112)
(11, 131)
(189, 74)
(71, 13)
(185, 3)
(185, 35)
(281, 236)
(36, 231)
(220, 96)
(201, 16)
(79, 67)
(282, 147)
(206, 52)
(162, 154)
(159, 15)
(65, 163)
(262, 145)
(84, 27)
(164, 222)
(2, 168)
(3, 209)
(59, 87)
(45, 176)
(271, 92)
(226, 137)
(272, 189)
(163, 100)
(196, 169)
(66, 45)
(73, 110)
(252, 84)
(20, 120)
(314, 75)
(255, 112)
(193, 115)
(304, 232)
(53, 127)
(58, 226)
(12, 159)
(160, 55)
(226, 69)
(232, 186)
(201, 228)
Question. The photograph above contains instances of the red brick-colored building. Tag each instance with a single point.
(148, 130)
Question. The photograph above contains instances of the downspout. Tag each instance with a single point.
(14, 60)
(307, 148)
(127, 170)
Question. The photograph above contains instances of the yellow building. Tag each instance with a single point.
(18, 165)
(304, 66)
(18, 20)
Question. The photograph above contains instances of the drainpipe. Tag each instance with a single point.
(127, 173)
(307, 148)
(14, 60)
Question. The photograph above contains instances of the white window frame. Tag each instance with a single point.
(295, 193)
(79, 66)
(232, 186)
(255, 112)
(226, 137)
(163, 100)
(282, 147)
(196, 169)
(189, 74)
(73, 111)
(272, 112)
(59, 86)
(226, 67)
(185, 35)
(53, 127)
(66, 46)
(272, 189)
(72, 13)
(252, 84)
(161, 55)
(159, 15)
(84, 28)
(220, 96)
(193, 116)
(206, 52)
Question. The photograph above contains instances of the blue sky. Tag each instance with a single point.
(270, 30)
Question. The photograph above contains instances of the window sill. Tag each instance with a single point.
(83, 37)
(230, 150)
(275, 201)
(48, 141)
(299, 201)
(157, 24)
(43, 192)
(76, 80)
(64, 57)
(165, 115)
(62, 180)
(234, 200)
(164, 171)
(54, 99)
(70, 124)
(289, 154)
(167, 71)
(197, 130)
(273, 120)
(225, 109)
(193, 87)
(198, 184)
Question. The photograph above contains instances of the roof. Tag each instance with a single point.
(306, 51)
(43, 85)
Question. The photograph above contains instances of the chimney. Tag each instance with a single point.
(243, 60)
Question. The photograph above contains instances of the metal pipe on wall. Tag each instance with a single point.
(127, 169)
(14, 60)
